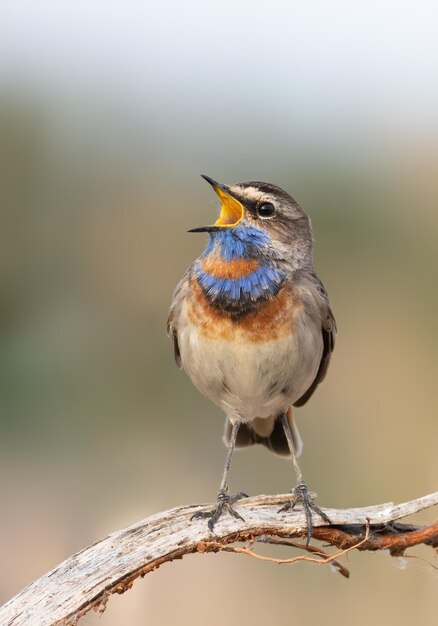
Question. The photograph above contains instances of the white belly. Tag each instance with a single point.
(252, 379)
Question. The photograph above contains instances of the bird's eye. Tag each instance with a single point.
(266, 210)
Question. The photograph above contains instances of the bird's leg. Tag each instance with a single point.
(224, 501)
(300, 493)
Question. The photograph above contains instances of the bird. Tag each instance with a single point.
(252, 326)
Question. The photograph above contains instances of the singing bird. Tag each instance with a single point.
(252, 326)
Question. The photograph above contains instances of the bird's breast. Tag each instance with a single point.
(262, 320)
(252, 365)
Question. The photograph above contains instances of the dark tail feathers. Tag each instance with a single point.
(276, 441)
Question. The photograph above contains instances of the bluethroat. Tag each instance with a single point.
(252, 326)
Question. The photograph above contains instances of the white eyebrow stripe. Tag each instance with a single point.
(250, 193)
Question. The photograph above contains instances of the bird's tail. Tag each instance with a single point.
(269, 432)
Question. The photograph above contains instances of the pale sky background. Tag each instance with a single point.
(318, 60)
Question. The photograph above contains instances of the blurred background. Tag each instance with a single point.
(109, 111)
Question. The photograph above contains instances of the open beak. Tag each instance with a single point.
(232, 211)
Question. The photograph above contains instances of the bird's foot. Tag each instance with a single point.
(301, 494)
(224, 503)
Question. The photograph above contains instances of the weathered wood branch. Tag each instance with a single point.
(86, 580)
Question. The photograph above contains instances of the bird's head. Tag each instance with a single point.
(274, 219)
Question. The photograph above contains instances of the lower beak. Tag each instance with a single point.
(232, 211)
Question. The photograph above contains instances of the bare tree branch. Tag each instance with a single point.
(86, 580)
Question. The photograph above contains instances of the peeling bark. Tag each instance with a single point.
(86, 580)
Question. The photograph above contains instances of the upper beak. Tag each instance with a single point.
(232, 211)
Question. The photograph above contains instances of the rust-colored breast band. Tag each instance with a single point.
(274, 318)
(216, 266)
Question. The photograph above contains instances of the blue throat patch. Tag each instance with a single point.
(242, 242)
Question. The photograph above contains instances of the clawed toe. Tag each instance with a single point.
(300, 494)
(224, 503)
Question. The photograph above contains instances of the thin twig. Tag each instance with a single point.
(308, 547)
(302, 557)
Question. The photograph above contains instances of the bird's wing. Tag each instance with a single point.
(328, 330)
(174, 311)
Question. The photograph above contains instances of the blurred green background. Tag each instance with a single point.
(109, 111)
